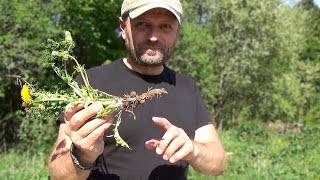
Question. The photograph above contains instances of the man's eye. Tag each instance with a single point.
(166, 26)
(141, 25)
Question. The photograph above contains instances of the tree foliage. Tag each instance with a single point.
(24, 30)
(257, 42)
(94, 27)
(311, 63)
(193, 58)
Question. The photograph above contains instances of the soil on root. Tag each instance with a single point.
(131, 101)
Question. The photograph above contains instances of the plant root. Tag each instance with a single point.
(131, 101)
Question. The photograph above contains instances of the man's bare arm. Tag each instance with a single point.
(209, 154)
(87, 137)
(60, 162)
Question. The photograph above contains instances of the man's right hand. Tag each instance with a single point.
(85, 134)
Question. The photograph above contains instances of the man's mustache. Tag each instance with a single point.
(157, 46)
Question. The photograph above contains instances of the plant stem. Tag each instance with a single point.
(82, 73)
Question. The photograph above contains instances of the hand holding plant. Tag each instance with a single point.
(83, 94)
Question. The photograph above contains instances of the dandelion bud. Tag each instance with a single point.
(68, 38)
(64, 55)
(55, 53)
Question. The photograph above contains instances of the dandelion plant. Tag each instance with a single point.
(83, 93)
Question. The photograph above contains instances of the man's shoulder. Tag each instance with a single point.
(105, 73)
(182, 78)
(185, 77)
(112, 66)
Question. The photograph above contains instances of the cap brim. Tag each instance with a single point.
(140, 10)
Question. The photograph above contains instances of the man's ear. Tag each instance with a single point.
(122, 26)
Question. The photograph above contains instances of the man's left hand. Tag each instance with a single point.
(175, 144)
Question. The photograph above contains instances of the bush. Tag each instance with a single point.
(38, 130)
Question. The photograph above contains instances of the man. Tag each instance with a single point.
(169, 132)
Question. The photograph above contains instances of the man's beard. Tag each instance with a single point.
(143, 56)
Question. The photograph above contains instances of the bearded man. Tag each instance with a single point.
(168, 134)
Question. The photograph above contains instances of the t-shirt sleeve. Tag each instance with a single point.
(202, 114)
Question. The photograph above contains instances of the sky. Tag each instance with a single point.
(292, 2)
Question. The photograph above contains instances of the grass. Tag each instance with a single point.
(263, 154)
(258, 154)
(22, 166)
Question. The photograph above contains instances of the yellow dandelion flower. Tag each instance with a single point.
(25, 95)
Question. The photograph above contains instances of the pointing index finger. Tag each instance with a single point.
(162, 122)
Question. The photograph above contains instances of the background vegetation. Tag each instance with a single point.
(256, 62)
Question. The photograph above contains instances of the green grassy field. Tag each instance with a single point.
(26, 165)
(258, 153)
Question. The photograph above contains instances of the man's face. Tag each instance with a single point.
(151, 37)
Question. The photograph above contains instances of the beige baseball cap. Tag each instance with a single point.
(137, 7)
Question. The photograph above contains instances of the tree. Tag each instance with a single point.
(310, 56)
(256, 43)
(307, 4)
(94, 26)
(24, 29)
(193, 58)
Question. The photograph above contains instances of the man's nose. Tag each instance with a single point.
(153, 35)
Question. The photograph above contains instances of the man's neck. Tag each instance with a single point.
(156, 70)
